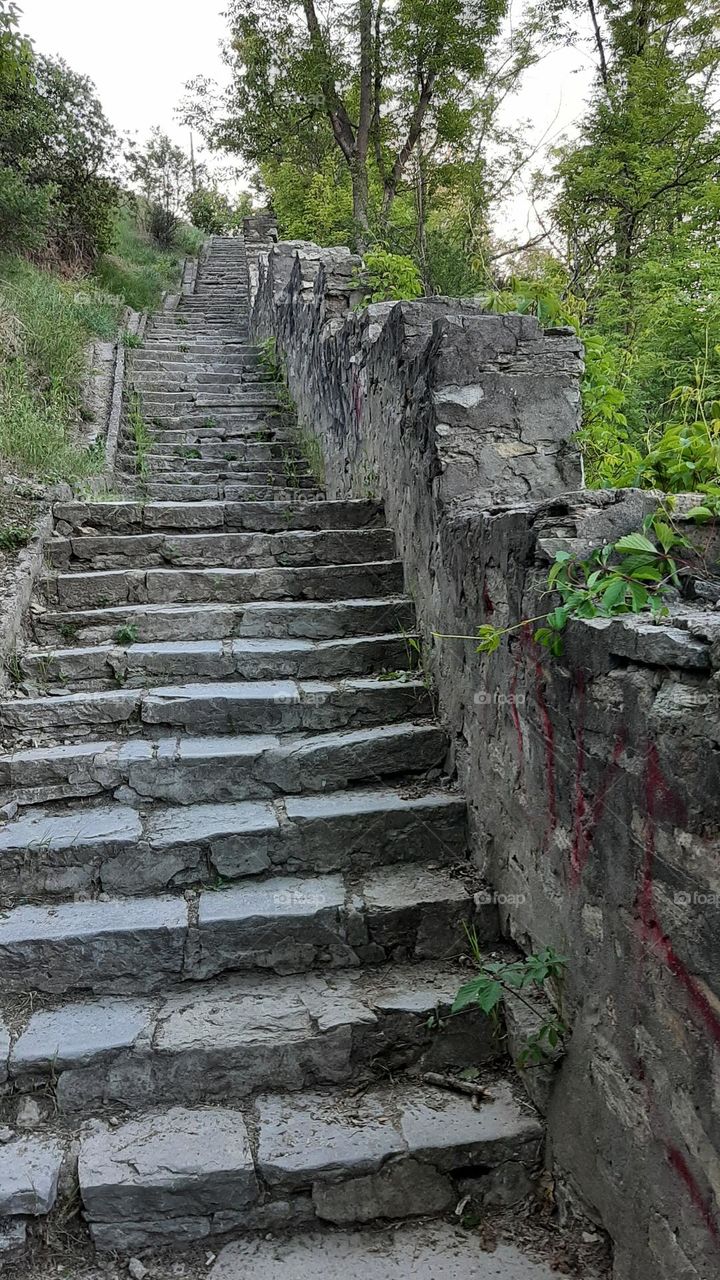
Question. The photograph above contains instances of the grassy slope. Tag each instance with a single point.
(46, 323)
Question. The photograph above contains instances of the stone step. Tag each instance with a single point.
(424, 1250)
(125, 516)
(255, 453)
(226, 706)
(196, 770)
(227, 1040)
(260, 482)
(143, 665)
(210, 471)
(242, 550)
(112, 848)
(283, 925)
(315, 620)
(226, 490)
(221, 586)
(233, 460)
(323, 1156)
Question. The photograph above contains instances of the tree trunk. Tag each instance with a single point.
(361, 200)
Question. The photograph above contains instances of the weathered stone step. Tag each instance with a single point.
(227, 1040)
(195, 469)
(283, 925)
(234, 706)
(122, 517)
(231, 461)
(424, 1250)
(229, 586)
(252, 452)
(55, 853)
(315, 620)
(239, 550)
(187, 770)
(395, 1151)
(138, 665)
(229, 489)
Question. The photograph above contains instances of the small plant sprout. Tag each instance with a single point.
(127, 634)
(498, 980)
(13, 537)
(131, 340)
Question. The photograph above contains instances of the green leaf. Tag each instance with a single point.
(636, 542)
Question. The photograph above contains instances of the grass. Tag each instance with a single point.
(47, 322)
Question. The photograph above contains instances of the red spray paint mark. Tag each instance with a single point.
(677, 1161)
(513, 706)
(357, 396)
(548, 733)
(487, 602)
(661, 801)
(588, 818)
(579, 849)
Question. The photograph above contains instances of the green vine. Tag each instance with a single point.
(635, 574)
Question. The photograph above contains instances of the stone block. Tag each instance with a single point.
(29, 1175)
(177, 1165)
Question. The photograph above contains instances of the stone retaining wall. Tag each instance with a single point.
(592, 779)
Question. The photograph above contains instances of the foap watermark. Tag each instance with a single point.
(696, 898)
(498, 698)
(489, 898)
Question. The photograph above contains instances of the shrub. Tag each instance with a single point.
(390, 277)
(211, 211)
(162, 225)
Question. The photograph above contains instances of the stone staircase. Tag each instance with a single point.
(234, 876)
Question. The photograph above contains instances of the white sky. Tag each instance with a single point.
(141, 53)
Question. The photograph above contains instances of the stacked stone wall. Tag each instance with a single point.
(592, 779)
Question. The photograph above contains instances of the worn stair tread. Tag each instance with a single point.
(243, 1034)
(143, 665)
(224, 706)
(165, 586)
(117, 849)
(258, 619)
(353, 1156)
(423, 1250)
(222, 549)
(283, 924)
(185, 769)
(149, 517)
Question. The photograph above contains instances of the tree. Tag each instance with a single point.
(650, 145)
(377, 79)
(55, 151)
(161, 170)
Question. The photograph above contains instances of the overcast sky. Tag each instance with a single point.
(140, 53)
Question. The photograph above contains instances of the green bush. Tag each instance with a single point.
(24, 213)
(211, 211)
(390, 277)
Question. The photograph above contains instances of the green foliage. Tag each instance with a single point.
(13, 537)
(55, 147)
(500, 980)
(136, 270)
(635, 574)
(162, 224)
(390, 277)
(213, 213)
(128, 634)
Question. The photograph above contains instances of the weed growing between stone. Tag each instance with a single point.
(498, 980)
(305, 440)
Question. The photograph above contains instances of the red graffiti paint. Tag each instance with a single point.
(677, 1161)
(513, 705)
(487, 602)
(548, 734)
(661, 801)
(587, 818)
